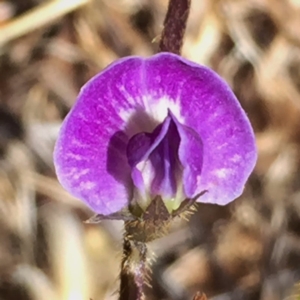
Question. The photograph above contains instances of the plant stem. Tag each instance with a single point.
(128, 289)
(133, 270)
(174, 26)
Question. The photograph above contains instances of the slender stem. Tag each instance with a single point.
(133, 270)
(174, 26)
(140, 270)
(128, 288)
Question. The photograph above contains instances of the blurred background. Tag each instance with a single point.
(249, 250)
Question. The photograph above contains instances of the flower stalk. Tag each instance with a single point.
(174, 26)
(133, 270)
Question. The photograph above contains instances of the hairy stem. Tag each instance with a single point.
(128, 289)
(174, 26)
(133, 270)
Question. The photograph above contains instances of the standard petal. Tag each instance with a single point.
(203, 101)
(90, 153)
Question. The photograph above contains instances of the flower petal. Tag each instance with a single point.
(134, 95)
(203, 101)
(90, 153)
(190, 154)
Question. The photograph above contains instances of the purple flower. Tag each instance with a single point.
(160, 126)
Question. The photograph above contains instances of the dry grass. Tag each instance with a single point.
(247, 250)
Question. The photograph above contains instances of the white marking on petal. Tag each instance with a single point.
(76, 157)
(198, 178)
(78, 144)
(87, 185)
(157, 111)
(224, 145)
(83, 117)
(159, 108)
(126, 114)
(71, 172)
(236, 158)
(81, 173)
(131, 100)
(223, 173)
